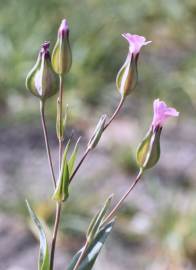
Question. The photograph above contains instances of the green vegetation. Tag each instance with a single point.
(167, 68)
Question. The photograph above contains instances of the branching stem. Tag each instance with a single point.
(106, 126)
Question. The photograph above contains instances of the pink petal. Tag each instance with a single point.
(162, 112)
(136, 42)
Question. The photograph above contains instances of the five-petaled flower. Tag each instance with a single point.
(161, 113)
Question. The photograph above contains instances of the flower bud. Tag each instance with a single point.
(61, 55)
(148, 152)
(127, 76)
(97, 132)
(41, 80)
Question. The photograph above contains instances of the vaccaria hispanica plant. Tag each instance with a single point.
(46, 79)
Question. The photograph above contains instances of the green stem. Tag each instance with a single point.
(106, 126)
(56, 225)
(119, 204)
(42, 113)
(80, 163)
(81, 256)
(61, 82)
(115, 112)
(78, 166)
(59, 204)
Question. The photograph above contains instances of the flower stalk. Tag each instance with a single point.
(58, 204)
(42, 114)
(121, 201)
(81, 255)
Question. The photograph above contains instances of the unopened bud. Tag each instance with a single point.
(61, 55)
(97, 132)
(41, 80)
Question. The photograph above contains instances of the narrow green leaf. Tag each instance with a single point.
(97, 220)
(93, 249)
(43, 253)
(61, 192)
(72, 159)
(97, 132)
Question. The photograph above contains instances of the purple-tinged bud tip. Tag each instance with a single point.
(63, 29)
(44, 51)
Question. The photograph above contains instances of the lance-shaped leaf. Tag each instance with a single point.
(72, 159)
(93, 250)
(61, 123)
(61, 192)
(97, 132)
(97, 220)
(43, 253)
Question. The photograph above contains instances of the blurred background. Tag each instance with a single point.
(156, 228)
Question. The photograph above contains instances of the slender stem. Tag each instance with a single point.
(56, 225)
(106, 126)
(61, 82)
(58, 204)
(42, 112)
(115, 112)
(119, 204)
(80, 163)
(81, 256)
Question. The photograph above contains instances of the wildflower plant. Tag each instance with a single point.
(46, 79)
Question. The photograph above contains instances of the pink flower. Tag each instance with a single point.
(135, 43)
(161, 113)
(63, 29)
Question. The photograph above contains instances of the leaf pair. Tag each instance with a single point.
(97, 234)
(61, 192)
